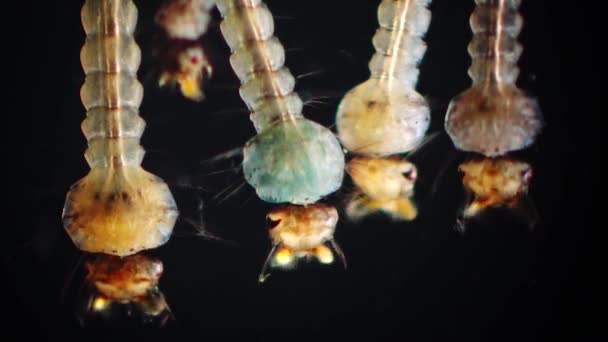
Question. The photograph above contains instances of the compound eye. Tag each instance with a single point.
(272, 221)
(410, 174)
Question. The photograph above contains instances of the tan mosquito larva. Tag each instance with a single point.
(301, 232)
(494, 117)
(291, 159)
(385, 115)
(130, 280)
(385, 184)
(118, 207)
(185, 62)
(494, 182)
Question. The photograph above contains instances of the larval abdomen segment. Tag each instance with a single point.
(258, 60)
(398, 40)
(494, 49)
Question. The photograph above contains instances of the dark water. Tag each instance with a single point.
(418, 281)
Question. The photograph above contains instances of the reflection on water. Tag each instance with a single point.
(118, 288)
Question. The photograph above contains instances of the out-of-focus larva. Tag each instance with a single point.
(494, 117)
(291, 159)
(385, 115)
(189, 68)
(118, 207)
(494, 182)
(182, 57)
(301, 232)
(185, 19)
(384, 184)
(130, 280)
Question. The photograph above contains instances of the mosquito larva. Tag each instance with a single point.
(118, 207)
(291, 159)
(130, 280)
(385, 115)
(184, 22)
(494, 182)
(494, 117)
(301, 232)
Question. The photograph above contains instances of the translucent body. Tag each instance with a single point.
(132, 280)
(494, 117)
(385, 115)
(291, 159)
(118, 207)
(385, 184)
(301, 231)
(494, 182)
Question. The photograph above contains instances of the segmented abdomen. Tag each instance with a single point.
(398, 41)
(494, 49)
(258, 60)
(111, 93)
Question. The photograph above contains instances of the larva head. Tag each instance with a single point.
(123, 278)
(302, 228)
(494, 182)
(383, 178)
(119, 211)
(379, 118)
(131, 281)
(493, 120)
(296, 161)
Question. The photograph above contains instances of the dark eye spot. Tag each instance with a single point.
(410, 174)
(272, 223)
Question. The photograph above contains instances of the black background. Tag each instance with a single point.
(420, 281)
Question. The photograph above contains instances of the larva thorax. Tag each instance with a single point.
(118, 208)
(292, 159)
(494, 116)
(385, 115)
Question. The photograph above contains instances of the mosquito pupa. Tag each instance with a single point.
(494, 182)
(183, 58)
(301, 232)
(118, 207)
(132, 280)
(493, 116)
(385, 115)
(291, 159)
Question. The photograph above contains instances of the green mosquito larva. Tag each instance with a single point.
(117, 208)
(494, 117)
(385, 115)
(291, 159)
